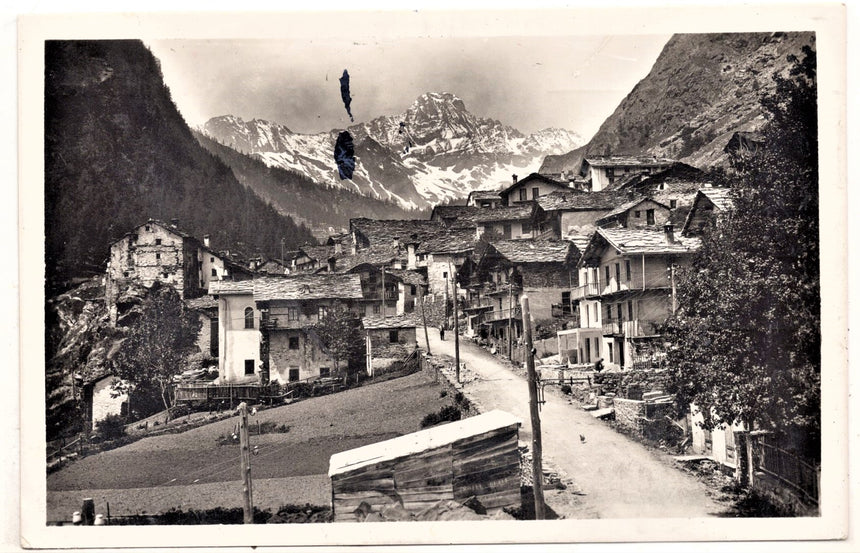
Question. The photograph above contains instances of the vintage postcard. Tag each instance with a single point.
(480, 277)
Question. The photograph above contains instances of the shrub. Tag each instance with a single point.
(449, 413)
(443, 393)
(566, 390)
(111, 427)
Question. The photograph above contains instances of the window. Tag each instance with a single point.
(527, 227)
(445, 274)
(213, 337)
(322, 310)
(595, 312)
(535, 193)
(292, 313)
(673, 204)
(166, 275)
(392, 336)
(324, 372)
(158, 241)
(649, 214)
(294, 375)
(587, 356)
(211, 260)
(249, 366)
(376, 309)
(637, 214)
(618, 310)
(249, 317)
(294, 342)
(157, 256)
(607, 276)
(147, 228)
(214, 272)
(629, 310)
(609, 351)
(618, 274)
(627, 268)
(412, 290)
(523, 194)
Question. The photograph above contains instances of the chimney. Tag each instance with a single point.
(206, 240)
(174, 223)
(515, 179)
(670, 233)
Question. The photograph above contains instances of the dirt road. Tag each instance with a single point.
(622, 479)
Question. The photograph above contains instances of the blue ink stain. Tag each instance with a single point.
(344, 93)
(344, 155)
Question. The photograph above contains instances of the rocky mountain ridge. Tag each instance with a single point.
(701, 90)
(433, 152)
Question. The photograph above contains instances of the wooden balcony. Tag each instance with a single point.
(612, 328)
(503, 315)
(641, 328)
(588, 290)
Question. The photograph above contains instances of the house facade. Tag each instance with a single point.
(604, 171)
(637, 213)
(563, 214)
(266, 326)
(510, 223)
(389, 339)
(627, 279)
(530, 189)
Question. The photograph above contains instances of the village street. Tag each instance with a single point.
(621, 478)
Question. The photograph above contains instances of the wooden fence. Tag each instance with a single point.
(786, 466)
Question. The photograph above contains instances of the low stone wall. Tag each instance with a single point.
(628, 413)
(782, 497)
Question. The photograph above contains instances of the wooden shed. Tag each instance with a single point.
(455, 461)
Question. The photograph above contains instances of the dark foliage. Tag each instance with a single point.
(449, 413)
(117, 152)
(111, 427)
(746, 338)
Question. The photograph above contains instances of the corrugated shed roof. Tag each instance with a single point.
(533, 251)
(645, 241)
(406, 320)
(308, 287)
(520, 211)
(431, 438)
(610, 161)
(581, 201)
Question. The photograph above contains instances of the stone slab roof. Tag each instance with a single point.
(390, 229)
(308, 287)
(406, 276)
(533, 251)
(449, 241)
(406, 320)
(645, 241)
(582, 201)
(628, 206)
(225, 287)
(721, 197)
(611, 161)
(523, 210)
(202, 303)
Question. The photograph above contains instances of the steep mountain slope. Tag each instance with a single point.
(435, 151)
(294, 194)
(117, 152)
(702, 88)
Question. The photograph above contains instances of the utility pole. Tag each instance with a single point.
(456, 323)
(424, 317)
(672, 278)
(245, 459)
(510, 313)
(537, 449)
(383, 291)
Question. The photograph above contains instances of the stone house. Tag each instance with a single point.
(266, 326)
(707, 205)
(626, 283)
(485, 199)
(389, 339)
(637, 213)
(440, 255)
(516, 222)
(455, 216)
(604, 171)
(563, 214)
(530, 189)
(159, 252)
(542, 269)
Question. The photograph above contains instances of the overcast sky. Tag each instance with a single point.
(530, 83)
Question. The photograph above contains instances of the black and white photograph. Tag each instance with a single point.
(554, 274)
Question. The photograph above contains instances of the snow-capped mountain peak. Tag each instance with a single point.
(434, 151)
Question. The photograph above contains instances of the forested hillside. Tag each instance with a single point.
(291, 193)
(118, 152)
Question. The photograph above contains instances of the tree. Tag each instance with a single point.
(746, 339)
(340, 334)
(155, 348)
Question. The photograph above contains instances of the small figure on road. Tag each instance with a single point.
(582, 438)
(442, 333)
(598, 365)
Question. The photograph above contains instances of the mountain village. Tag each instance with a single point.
(533, 325)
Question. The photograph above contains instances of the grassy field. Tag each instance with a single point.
(160, 472)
